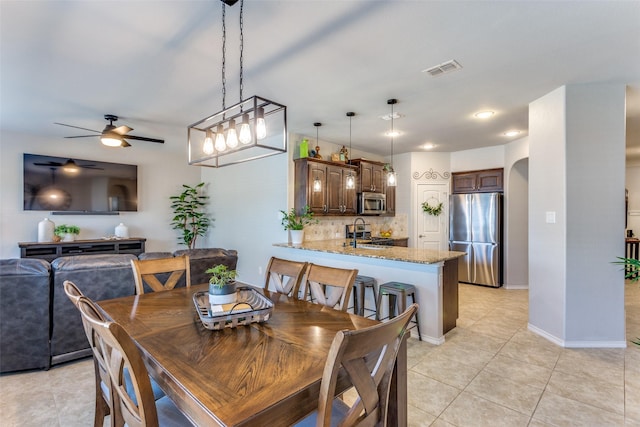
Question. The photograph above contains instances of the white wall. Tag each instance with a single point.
(479, 158)
(162, 169)
(576, 296)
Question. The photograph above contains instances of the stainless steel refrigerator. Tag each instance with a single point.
(475, 227)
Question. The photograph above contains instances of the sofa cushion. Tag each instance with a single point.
(99, 277)
(24, 314)
(200, 260)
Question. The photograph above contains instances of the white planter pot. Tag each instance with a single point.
(69, 237)
(222, 295)
(297, 237)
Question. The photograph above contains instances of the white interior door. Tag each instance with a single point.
(432, 232)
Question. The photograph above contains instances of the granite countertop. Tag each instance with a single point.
(395, 253)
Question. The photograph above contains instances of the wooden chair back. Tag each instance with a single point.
(102, 382)
(368, 357)
(330, 286)
(285, 275)
(120, 353)
(161, 274)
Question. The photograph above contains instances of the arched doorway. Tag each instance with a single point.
(516, 257)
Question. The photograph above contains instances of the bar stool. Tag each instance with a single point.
(397, 293)
(359, 289)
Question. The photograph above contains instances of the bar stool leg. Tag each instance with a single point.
(413, 300)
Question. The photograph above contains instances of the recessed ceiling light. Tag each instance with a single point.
(483, 114)
(429, 146)
(512, 133)
(393, 134)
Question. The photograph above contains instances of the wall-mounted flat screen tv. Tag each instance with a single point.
(75, 185)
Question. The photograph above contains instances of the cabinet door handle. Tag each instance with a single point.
(324, 208)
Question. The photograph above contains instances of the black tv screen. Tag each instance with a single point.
(77, 185)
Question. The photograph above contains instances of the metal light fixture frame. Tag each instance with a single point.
(273, 116)
(317, 184)
(350, 180)
(392, 178)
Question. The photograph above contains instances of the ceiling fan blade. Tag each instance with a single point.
(125, 144)
(121, 130)
(142, 138)
(77, 127)
(82, 136)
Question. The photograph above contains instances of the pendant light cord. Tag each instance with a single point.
(392, 133)
(224, 54)
(241, 47)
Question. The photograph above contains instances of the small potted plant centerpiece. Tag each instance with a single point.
(67, 232)
(222, 284)
(296, 223)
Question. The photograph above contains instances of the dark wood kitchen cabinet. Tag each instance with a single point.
(333, 197)
(371, 176)
(390, 193)
(481, 181)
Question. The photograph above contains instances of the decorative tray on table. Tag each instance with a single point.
(250, 306)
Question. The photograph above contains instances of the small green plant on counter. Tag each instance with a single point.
(221, 275)
(632, 267)
(63, 229)
(432, 210)
(291, 221)
(189, 216)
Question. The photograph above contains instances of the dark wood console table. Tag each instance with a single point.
(52, 250)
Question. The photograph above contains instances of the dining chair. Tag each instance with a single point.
(103, 383)
(330, 286)
(132, 406)
(368, 357)
(103, 405)
(160, 274)
(285, 275)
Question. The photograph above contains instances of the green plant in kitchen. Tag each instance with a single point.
(292, 221)
(432, 210)
(221, 275)
(189, 216)
(64, 229)
(632, 268)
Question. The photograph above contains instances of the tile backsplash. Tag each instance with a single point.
(334, 227)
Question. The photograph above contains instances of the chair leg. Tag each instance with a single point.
(413, 299)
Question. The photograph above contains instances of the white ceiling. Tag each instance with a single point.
(157, 64)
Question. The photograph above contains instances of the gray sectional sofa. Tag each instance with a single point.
(40, 327)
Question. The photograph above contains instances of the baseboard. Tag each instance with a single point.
(516, 287)
(576, 344)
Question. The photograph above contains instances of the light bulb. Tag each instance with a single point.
(232, 136)
(220, 143)
(245, 130)
(207, 147)
(261, 126)
(391, 178)
(350, 182)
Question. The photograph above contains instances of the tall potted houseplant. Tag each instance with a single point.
(189, 216)
(632, 272)
(296, 223)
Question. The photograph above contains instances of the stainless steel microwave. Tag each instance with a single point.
(372, 204)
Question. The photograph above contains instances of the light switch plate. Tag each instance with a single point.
(550, 217)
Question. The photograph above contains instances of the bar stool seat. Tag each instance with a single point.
(359, 289)
(397, 293)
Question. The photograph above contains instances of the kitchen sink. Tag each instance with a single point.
(374, 247)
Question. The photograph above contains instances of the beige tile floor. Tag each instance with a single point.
(491, 371)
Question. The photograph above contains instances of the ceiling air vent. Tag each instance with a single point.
(445, 67)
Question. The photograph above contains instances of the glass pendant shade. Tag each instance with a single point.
(245, 130)
(317, 185)
(391, 178)
(350, 182)
(207, 147)
(232, 135)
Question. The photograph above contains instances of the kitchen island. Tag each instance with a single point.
(434, 273)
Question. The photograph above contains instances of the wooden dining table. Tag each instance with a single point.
(262, 374)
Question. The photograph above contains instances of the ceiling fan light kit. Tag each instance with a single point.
(256, 127)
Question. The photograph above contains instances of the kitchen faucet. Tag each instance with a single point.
(355, 230)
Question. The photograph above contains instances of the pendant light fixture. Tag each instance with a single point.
(391, 173)
(251, 129)
(350, 182)
(317, 184)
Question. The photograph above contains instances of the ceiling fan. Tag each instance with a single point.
(113, 136)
